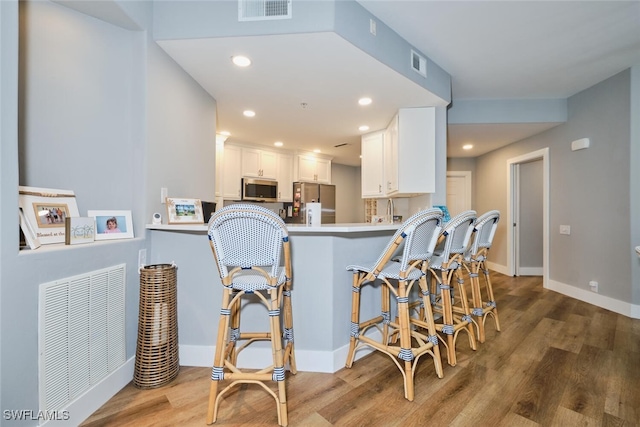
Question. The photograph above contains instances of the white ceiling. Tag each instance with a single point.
(491, 49)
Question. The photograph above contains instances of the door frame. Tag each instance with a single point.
(512, 197)
(467, 181)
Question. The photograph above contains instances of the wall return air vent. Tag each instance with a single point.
(259, 10)
(418, 63)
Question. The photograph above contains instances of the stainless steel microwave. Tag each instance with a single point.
(259, 190)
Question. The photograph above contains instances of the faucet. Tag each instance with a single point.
(390, 210)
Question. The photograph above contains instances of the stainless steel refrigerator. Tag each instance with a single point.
(308, 192)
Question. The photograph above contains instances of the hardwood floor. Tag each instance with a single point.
(557, 362)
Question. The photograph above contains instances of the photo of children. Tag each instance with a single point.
(111, 224)
(50, 215)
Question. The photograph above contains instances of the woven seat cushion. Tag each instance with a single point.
(252, 280)
(390, 271)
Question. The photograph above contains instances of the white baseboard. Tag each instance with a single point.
(90, 401)
(530, 271)
(502, 269)
(602, 301)
(306, 360)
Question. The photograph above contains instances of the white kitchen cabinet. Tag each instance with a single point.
(314, 169)
(232, 169)
(285, 177)
(219, 169)
(259, 163)
(372, 164)
(408, 154)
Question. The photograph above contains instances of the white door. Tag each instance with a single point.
(458, 192)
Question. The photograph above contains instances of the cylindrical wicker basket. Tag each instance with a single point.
(157, 347)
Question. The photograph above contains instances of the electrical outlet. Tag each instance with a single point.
(593, 285)
(372, 27)
(142, 258)
(565, 229)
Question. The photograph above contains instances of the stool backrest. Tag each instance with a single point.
(457, 234)
(415, 240)
(246, 236)
(484, 230)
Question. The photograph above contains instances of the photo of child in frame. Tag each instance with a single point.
(111, 224)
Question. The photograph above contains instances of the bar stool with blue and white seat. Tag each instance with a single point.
(445, 264)
(249, 244)
(484, 303)
(401, 265)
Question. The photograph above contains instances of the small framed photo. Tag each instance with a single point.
(112, 225)
(79, 230)
(184, 211)
(45, 211)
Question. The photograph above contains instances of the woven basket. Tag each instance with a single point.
(157, 347)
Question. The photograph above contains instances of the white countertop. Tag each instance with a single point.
(293, 228)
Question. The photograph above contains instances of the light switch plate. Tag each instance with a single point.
(565, 229)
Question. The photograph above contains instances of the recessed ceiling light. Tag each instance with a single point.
(364, 101)
(278, 144)
(249, 113)
(316, 151)
(241, 61)
(467, 147)
(363, 128)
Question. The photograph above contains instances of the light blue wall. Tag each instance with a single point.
(590, 190)
(96, 103)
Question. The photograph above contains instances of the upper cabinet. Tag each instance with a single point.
(373, 179)
(231, 182)
(314, 169)
(406, 156)
(285, 177)
(259, 163)
(219, 168)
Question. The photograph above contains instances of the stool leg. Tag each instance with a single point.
(426, 313)
(355, 317)
(464, 302)
(406, 354)
(289, 353)
(217, 373)
(278, 356)
(447, 315)
(476, 298)
(491, 301)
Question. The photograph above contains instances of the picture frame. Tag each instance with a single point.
(111, 225)
(184, 211)
(79, 230)
(45, 211)
(29, 234)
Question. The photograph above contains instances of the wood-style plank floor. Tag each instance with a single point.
(557, 362)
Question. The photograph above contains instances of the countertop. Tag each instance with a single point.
(293, 228)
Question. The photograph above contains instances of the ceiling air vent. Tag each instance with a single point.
(259, 10)
(418, 63)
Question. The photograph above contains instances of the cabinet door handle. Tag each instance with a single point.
(379, 188)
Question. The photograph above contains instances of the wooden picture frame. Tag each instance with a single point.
(184, 211)
(45, 211)
(111, 225)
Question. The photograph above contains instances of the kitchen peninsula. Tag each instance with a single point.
(321, 290)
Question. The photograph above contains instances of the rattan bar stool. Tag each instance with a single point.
(248, 244)
(484, 305)
(444, 265)
(412, 244)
